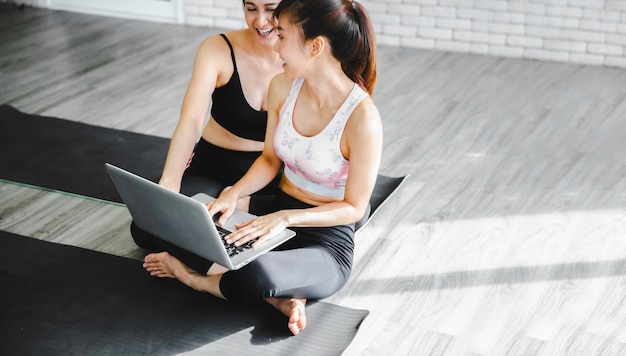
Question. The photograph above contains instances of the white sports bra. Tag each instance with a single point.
(315, 164)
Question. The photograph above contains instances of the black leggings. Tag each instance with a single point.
(314, 264)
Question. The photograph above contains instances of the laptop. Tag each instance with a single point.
(185, 221)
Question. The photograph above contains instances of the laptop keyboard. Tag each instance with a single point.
(231, 249)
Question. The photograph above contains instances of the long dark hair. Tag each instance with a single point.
(348, 28)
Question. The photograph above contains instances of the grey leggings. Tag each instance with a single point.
(314, 264)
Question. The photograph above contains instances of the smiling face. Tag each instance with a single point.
(291, 48)
(259, 16)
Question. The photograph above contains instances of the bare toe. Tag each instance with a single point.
(297, 317)
(294, 309)
(161, 264)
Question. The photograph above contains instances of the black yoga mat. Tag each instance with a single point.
(59, 299)
(69, 156)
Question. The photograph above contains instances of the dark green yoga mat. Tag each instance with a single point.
(69, 156)
(64, 300)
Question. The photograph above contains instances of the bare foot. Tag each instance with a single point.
(294, 309)
(165, 265)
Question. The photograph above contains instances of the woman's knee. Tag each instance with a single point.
(191, 185)
(143, 238)
(249, 285)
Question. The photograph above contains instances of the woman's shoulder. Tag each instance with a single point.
(215, 44)
(280, 85)
(219, 46)
(236, 39)
(215, 52)
(367, 108)
(279, 89)
(365, 116)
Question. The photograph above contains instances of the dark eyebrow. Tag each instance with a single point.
(280, 28)
(268, 4)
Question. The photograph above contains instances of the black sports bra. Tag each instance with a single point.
(232, 111)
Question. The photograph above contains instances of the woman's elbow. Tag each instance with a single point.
(358, 212)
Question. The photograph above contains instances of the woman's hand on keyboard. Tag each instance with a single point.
(260, 228)
(224, 204)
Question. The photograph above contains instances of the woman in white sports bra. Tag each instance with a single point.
(326, 130)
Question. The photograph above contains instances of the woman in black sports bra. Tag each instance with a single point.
(232, 71)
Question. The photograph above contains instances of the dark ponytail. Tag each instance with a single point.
(348, 28)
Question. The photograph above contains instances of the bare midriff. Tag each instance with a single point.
(214, 133)
(304, 196)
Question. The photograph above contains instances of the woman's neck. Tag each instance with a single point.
(327, 87)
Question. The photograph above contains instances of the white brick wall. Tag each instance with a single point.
(576, 31)
(214, 13)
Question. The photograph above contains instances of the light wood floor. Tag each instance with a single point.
(509, 238)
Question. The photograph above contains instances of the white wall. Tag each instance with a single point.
(170, 11)
(573, 31)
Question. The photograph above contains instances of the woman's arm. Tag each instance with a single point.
(207, 67)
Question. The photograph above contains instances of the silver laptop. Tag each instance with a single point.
(185, 221)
